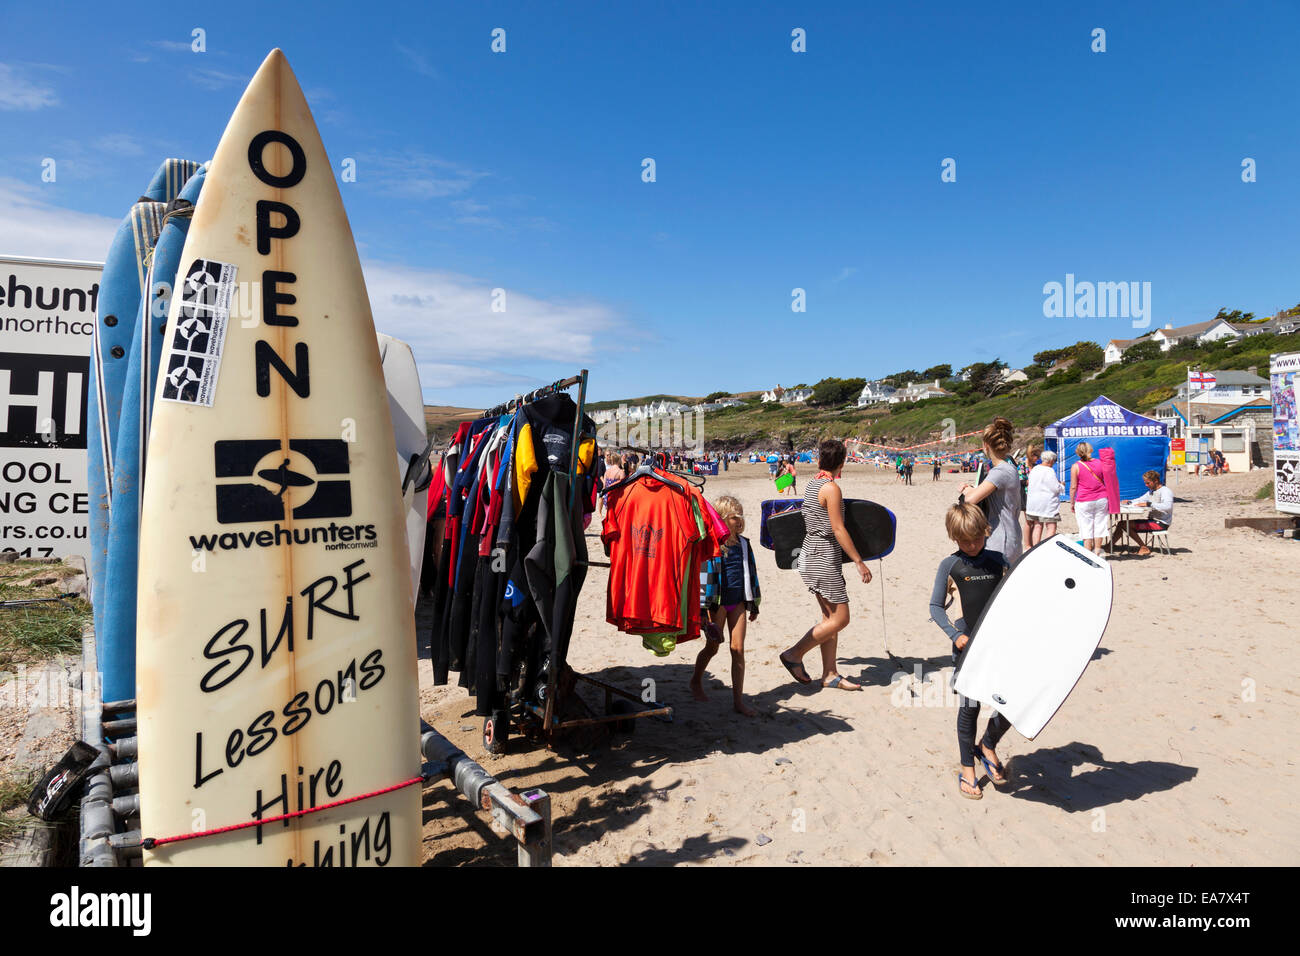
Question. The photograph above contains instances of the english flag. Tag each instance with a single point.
(1202, 380)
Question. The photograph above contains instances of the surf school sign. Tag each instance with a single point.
(47, 317)
(1284, 371)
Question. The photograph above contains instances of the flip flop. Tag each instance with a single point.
(977, 795)
(997, 773)
(839, 679)
(791, 665)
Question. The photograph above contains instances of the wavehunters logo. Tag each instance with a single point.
(303, 480)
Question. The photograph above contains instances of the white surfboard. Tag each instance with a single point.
(1036, 636)
(406, 405)
(276, 663)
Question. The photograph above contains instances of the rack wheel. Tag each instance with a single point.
(496, 731)
(626, 727)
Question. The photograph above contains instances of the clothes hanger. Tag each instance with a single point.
(645, 470)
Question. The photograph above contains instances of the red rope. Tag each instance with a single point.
(150, 843)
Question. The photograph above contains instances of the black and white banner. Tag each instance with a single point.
(47, 324)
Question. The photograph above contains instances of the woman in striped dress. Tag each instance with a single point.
(825, 542)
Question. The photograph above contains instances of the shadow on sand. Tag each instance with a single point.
(1046, 776)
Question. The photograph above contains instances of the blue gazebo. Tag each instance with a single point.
(1141, 444)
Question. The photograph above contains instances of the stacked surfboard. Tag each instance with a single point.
(255, 551)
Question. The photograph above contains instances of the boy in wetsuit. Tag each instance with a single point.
(975, 572)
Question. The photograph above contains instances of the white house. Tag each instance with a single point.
(714, 406)
(1231, 387)
(662, 408)
(1168, 337)
(794, 396)
(1200, 332)
(1011, 376)
(1277, 325)
(773, 395)
(875, 393)
(914, 392)
(1116, 348)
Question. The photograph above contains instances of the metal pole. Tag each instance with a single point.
(527, 818)
(538, 854)
(97, 823)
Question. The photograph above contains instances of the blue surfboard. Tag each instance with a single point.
(116, 638)
(121, 286)
(170, 179)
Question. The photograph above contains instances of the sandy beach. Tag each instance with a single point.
(1172, 750)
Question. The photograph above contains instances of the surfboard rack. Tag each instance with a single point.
(106, 802)
(524, 816)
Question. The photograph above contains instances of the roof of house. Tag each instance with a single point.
(1213, 412)
(1256, 406)
(1232, 376)
(1271, 324)
(1235, 376)
(1195, 328)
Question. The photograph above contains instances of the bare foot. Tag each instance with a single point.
(697, 691)
(744, 709)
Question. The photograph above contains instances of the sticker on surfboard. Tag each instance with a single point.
(194, 353)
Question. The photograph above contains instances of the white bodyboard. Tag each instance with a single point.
(1036, 636)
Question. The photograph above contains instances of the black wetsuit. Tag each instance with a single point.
(975, 578)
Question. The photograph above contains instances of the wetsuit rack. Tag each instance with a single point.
(546, 390)
(540, 719)
(552, 389)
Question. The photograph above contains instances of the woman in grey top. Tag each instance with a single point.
(1002, 489)
(825, 541)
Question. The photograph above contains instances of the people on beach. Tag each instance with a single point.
(613, 475)
(1001, 486)
(1023, 466)
(907, 470)
(825, 542)
(937, 469)
(740, 596)
(1088, 499)
(974, 570)
(1161, 501)
(1043, 510)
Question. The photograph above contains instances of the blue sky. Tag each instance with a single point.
(775, 170)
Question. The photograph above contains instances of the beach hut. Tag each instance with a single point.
(1141, 444)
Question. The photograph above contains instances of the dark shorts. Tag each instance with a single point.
(1149, 526)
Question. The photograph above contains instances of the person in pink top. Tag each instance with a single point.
(1088, 498)
(1110, 478)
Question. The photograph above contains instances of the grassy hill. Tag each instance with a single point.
(440, 421)
(1139, 386)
